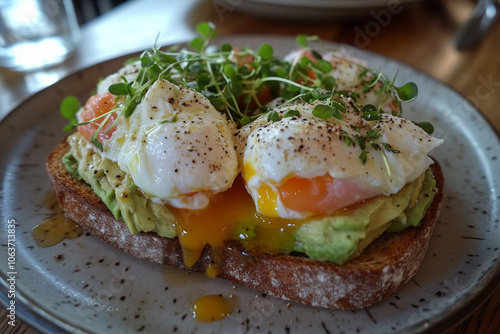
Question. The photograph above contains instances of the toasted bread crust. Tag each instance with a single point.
(386, 265)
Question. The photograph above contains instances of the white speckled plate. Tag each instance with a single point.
(98, 289)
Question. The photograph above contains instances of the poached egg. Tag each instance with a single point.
(350, 75)
(303, 166)
(176, 146)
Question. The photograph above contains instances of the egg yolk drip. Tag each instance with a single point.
(231, 215)
(213, 307)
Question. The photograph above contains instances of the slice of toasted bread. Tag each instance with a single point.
(386, 265)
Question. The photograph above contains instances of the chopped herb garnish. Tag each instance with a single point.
(239, 83)
(171, 120)
(408, 92)
(273, 116)
(370, 113)
(69, 107)
(291, 113)
(323, 111)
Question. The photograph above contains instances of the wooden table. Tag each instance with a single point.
(419, 34)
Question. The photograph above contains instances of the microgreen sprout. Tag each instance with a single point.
(239, 83)
(170, 120)
(324, 111)
(273, 116)
(370, 113)
(207, 32)
(367, 141)
(68, 109)
(291, 113)
(303, 40)
(426, 126)
(378, 82)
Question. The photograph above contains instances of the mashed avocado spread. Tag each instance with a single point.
(336, 238)
(117, 190)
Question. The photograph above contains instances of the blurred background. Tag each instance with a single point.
(87, 10)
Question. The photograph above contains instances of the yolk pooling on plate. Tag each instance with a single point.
(214, 307)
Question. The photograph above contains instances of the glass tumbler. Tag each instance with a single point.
(36, 33)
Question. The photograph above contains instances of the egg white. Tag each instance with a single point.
(177, 148)
(129, 72)
(346, 70)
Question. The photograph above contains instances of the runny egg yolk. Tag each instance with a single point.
(233, 215)
(267, 198)
(96, 106)
(213, 225)
(319, 195)
(226, 218)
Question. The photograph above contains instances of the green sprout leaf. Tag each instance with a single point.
(235, 88)
(316, 54)
(226, 47)
(338, 105)
(206, 30)
(363, 157)
(129, 108)
(146, 61)
(265, 51)
(373, 134)
(408, 92)
(69, 107)
(363, 73)
(324, 66)
(291, 113)
(329, 82)
(229, 71)
(305, 62)
(302, 40)
(323, 111)
(197, 43)
(68, 127)
(273, 116)
(154, 72)
(389, 148)
(347, 138)
(426, 126)
(280, 72)
(361, 141)
(370, 113)
(170, 120)
(96, 142)
(118, 88)
(245, 120)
